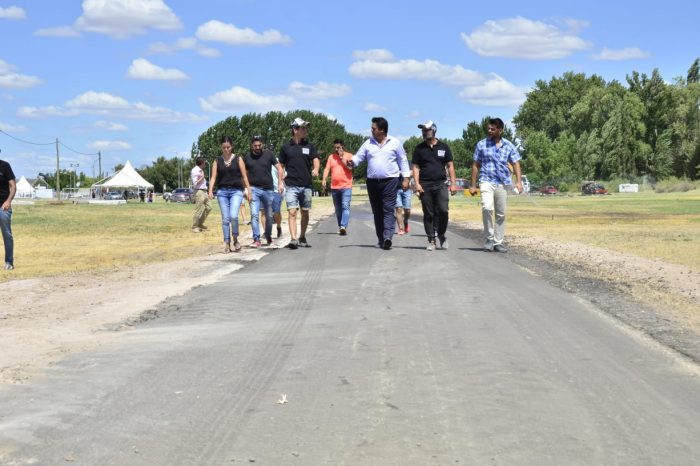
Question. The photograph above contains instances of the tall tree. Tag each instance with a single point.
(694, 72)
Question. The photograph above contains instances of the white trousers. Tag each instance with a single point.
(493, 210)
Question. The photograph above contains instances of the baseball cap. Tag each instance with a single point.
(299, 122)
(428, 125)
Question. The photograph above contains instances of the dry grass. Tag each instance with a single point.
(656, 226)
(62, 239)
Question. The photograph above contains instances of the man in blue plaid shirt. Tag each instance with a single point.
(491, 158)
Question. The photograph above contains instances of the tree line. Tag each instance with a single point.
(571, 128)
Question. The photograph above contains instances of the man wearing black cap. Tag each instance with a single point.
(430, 159)
(297, 157)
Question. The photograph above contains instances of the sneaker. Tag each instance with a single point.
(293, 244)
(203, 227)
(431, 246)
(500, 248)
(488, 247)
(387, 244)
(8, 266)
(443, 243)
(255, 244)
(408, 228)
(279, 231)
(342, 231)
(268, 239)
(237, 246)
(303, 243)
(196, 230)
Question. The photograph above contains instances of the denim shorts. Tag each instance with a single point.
(403, 199)
(298, 195)
(276, 203)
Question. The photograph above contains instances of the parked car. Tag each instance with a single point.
(182, 195)
(547, 190)
(113, 196)
(591, 187)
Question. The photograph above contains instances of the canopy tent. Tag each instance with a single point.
(24, 189)
(127, 177)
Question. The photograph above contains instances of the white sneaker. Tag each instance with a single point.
(8, 266)
(431, 246)
(443, 243)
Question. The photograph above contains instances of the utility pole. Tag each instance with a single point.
(99, 157)
(58, 174)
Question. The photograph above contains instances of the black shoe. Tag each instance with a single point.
(279, 231)
(500, 248)
(293, 244)
(303, 243)
(387, 244)
(488, 247)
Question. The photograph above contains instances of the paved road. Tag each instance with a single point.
(401, 357)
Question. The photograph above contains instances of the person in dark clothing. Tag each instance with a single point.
(431, 159)
(8, 188)
(259, 162)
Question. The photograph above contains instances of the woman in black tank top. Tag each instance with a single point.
(230, 179)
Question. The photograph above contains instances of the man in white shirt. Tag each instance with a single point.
(202, 203)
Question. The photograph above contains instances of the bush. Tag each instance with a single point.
(675, 185)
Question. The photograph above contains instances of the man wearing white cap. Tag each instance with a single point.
(430, 159)
(297, 158)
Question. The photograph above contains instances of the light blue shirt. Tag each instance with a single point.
(387, 161)
(494, 160)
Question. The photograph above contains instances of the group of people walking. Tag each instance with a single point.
(261, 178)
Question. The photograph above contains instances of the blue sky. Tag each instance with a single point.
(139, 79)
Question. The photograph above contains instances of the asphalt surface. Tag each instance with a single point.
(345, 354)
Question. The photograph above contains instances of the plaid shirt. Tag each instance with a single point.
(494, 161)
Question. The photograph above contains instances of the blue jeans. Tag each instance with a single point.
(6, 227)
(341, 201)
(230, 200)
(262, 199)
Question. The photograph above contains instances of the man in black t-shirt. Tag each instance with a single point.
(8, 188)
(259, 163)
(297, 157)
(431, 159)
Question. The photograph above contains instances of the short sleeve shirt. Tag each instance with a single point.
(297, 160)
(494, 161)
(260, 169)
(431, 162)
(6, 174)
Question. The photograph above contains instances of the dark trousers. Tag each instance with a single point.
(435, 201)
(382, 198)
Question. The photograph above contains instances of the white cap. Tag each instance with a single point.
(428, 125)
(299, 122)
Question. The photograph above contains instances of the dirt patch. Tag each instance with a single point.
(652, 296)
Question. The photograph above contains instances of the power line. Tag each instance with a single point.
(77, 152)
(26, 142)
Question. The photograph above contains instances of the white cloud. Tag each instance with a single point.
(102, 103)
(495, 91)
(12, 128)
(372, 107)
(373, 55)
(124, 18)
(238, 98)
(12, 12)
(144, 69)
(11, 80)
(413, 114)
(60, 31)
(184, 43)
(320, 90)
(109, 145)
(230, 34)
(524, 38)
(110, 126)
(413, 69)
(621, 54)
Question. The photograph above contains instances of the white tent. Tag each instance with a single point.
(127, 177)
(24, 189)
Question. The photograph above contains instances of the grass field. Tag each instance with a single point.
(68, 238)
(664, 226)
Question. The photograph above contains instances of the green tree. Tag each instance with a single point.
(694, 72)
